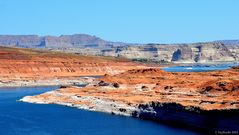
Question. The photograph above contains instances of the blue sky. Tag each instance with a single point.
(137, 21)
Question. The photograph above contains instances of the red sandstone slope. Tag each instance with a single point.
(20, 64)
(206, 90)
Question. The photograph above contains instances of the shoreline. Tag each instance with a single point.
(170, 113)
(104, 106)
(154, 94)
(68, 81)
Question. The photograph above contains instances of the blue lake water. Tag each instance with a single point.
(200, 67)
(19, 118)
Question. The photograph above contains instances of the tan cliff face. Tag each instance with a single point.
(183, 53)
(20, 64)
(211, 52)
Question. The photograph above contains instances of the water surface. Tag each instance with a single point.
(19, 118)
(200, 67)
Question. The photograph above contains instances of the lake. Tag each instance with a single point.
(200, 67)
(19, 118)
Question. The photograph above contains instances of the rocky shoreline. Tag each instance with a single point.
(169, 113)
(69, 81)
(210, 104)
(101, 105)
(193, 117)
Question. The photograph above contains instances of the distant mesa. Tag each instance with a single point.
(202, 52)
(35, 41)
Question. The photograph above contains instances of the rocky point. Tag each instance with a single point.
(205, 100)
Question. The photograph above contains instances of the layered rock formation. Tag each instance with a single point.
(207, 100)
(174, 53)
(211, 52)
(32, 65)
(181, 53)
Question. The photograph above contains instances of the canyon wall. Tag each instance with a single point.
(28, 64)
(208, 52)
(177, 53)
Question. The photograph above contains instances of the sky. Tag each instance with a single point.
(133, 21)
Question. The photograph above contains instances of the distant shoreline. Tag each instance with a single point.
(48, 82)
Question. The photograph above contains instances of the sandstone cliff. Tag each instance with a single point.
(218, 51)
(26, 64)
(179, 53)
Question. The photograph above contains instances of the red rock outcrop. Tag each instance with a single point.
(207, 100)
(206, 90)
(24, 64)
